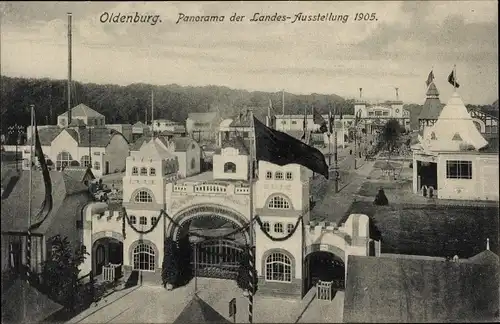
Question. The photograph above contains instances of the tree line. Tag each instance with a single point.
(132, 103)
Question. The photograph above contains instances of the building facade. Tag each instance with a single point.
(281, 197)
(453, 160)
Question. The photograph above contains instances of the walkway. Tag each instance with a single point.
(329, 311)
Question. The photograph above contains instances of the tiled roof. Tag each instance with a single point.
(385, 290)
(432, 106)
(82, 111)
(154, 150)
(14, 215)
(432, 91)
(78, 173)
(198, 311)
(38, 306)
(138, 143)
(99, 137)
(238, 143)
(182, 144)
(47, 135)
(77, 123)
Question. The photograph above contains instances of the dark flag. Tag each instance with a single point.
(430, 78)
(331, 121)
(279, 148)
(453, 80)
(304, 126)
(319, 120)
(47, 203)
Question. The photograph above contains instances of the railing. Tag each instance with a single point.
(325, 290)
(210, 188)
(111, 272)
(241, 190)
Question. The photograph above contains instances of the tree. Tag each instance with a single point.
(61, 270)
(243, 277)
(390, 135)
(170, 267)
(380, 198)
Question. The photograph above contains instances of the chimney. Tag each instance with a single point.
(488, 244)
(360, 93)
(397, 93)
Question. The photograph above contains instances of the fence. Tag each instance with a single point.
(325, 290)
(111, 272)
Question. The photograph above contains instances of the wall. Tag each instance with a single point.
(183, 166)
(124, 129)
(116, 153)
(193, 153)
(230, 155)
(64, 142)
(482, 186)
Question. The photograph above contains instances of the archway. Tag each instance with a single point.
(106, 250)
(324, 266)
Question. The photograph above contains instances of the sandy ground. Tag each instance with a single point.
(153, 304)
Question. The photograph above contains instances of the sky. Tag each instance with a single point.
(397, 49)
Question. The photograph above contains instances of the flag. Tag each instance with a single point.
(357, 118)
(319, 120)
(279, 148)
(430, 78)
(47, 203)
(452, 79)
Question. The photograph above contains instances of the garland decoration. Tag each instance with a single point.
(278, 239)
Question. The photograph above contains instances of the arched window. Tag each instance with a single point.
(85, 161)
(266, 226)
(143, 220)
(289, 228)
(63, 159)
(152, 171)
(278, 267)
(278, 175)
(289, 176)
(97, 165)
(229, 167)
(135, 171)
(154, 220)
(144, 257)
(193, 163)
(278, 227)
(269, 175)
(143, 197)
(133, 220)
(144, 172)
(278, 202)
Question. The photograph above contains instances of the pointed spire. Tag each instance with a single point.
(488, 244)
(432, 91)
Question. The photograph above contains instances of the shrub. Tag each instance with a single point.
(243, 277)
(380, 198)
(170, 267)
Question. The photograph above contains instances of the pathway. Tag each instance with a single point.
(328, 311)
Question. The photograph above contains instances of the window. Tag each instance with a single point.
(278, 228)
(133, 219)
(294, 122)
(385, 113)
(229, 167)
(269, 175)
(278, 202)
(289, 228)
(289, 176)
(245, 134)
(278, 175)
(154, 220)
(85, 161)
(459, 169)
(97, 165)
(144, 172)
(63, 160)
(193, 163)
(143, 197)
(266, 227)
(283, 122)
(152, 171)
(135, 171)
(278, 267)
(143, 220)
(144, 257)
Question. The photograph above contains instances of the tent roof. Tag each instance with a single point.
(198, 311)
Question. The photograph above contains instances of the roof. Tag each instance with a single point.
(238, 143)
(136, 146)
(38, 306)
(153, 149)
(485, 257)
(77, 123)
(432, 106)
(453, 119)
(243, 121)
(47, 135)
(14, 216)
(78, 173)
(139, 124)
(385, 290)
(226, 123)
(182, 144)
(207, 117)
(82, 111)
(198, 311)
(98, 137)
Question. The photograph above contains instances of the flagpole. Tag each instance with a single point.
(251, 227)
(335, 155)
(28, 240)
(152, 113)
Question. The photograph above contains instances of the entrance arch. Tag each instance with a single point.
(215, 257)
(326, 263)
(106, 250)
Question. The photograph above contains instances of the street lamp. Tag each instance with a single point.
(195, 240)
